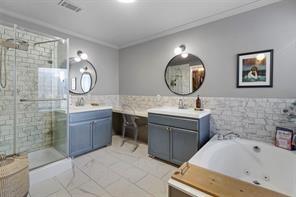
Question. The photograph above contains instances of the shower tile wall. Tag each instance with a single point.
(33, 121)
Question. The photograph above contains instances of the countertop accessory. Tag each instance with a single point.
(199, 109)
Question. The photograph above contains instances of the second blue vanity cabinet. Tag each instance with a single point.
(89, 130)
(176, 139)
(184, 144)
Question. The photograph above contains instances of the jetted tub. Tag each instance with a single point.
(251, 161)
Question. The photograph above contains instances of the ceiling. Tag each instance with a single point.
(119, 25)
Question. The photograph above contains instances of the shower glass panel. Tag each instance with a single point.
(7, 79)
(41, 97)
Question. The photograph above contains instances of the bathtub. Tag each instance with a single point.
(251, 161)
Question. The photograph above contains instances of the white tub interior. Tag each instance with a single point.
(271, 167)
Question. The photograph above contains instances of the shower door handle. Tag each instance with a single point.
(36, 100)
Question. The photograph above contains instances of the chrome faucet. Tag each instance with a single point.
(181, 104)
(228, 136)
(80, 102)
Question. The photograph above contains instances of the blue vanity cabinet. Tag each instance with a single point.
(176, 139)
(80, 138)
(102, 134)
(89, 130)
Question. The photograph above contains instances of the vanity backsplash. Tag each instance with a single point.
(252, 118)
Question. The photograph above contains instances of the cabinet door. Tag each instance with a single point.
(184, 144)
(159, 141)
(80, 138)
(102, 132)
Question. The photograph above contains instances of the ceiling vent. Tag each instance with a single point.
(69, 5)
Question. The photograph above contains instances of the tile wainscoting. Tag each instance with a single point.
(252, 118)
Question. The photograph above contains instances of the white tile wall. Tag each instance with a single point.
(252, 118)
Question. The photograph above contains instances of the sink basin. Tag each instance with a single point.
(85, 108)
(174, 111)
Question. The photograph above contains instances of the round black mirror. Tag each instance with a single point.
(83, 76)
(184, 74)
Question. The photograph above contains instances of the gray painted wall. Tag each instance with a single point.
(141, 69)
(104, 58)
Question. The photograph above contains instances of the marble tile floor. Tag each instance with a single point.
(113, 171)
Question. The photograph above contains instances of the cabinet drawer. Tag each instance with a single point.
(172, 121)
(90, 115)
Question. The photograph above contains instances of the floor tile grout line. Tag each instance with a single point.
(121, 177)
(147, 174)
(57, 180)
(96, 181)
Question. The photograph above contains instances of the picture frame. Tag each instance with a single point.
(255, 69)
(284, 138)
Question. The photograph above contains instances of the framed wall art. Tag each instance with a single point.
(255, 69)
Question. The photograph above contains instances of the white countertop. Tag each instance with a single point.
(85, 108)
(135, 112)
(174, 111)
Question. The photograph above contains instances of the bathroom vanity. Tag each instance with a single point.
(175, 135)
(90, 129)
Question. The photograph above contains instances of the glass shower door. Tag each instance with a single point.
(41, 97)
(7, 91)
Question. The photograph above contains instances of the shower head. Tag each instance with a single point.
(18, 44)
(11, 43)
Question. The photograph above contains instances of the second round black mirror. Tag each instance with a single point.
(184, 74)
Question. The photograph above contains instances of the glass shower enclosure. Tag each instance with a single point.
(33, 95)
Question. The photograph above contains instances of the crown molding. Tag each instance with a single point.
(231, 12)
(59, 29)
(202, 21)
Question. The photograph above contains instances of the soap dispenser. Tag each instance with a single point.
(198, 103)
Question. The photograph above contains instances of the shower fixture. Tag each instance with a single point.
(7, 44)
(11, 43)
(49, 41)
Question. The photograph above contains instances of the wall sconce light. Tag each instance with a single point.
(84, 69)
(77, 59)
(81, 56)
(180, 49)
